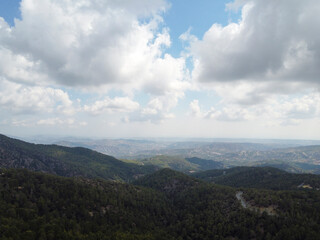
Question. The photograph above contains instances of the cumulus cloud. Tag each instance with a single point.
(89, 46)
(195, 108)
(118, 104)
(56, 121)
(70, 122)
(157, 110)
(20, 68)
(277, 111)
(20, 99)
(273, 42)
(91, 43)
(227, 113)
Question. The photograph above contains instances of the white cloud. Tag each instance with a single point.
(118, 104)
(158, 109)
(195, 108)
(61, 122)
(20, 99)
(20, 123)
(276, 111)
(263, 69)
(274, 42)
(92, 46)
(91, 43)
(56, 121)
(227, 113)
(305, 107)
(19, 68)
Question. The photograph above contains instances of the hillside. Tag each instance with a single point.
(65, 161)
(260, 177)
(182, 164)
(42, 206)
(168, 181)
(288, 155)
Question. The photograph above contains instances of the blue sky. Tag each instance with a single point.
(238, 69)
(199, 17)
(9, 9)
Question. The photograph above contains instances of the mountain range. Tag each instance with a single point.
(96, 196)
(292, 156)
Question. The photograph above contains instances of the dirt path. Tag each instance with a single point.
(271, 210)
(244, 204)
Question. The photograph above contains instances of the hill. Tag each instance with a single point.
(168, 181)
(205, 164)
(42, 206)
(288, 155)
(291, 167)
(65, 161)
(260, 177)
(182, 164)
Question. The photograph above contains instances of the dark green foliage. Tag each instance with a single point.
(259, 177)
(182, 164)
(174, 162)
(167, 205)
(65, 161)
(205, 164)
(168, 181)
(46, 207)
(292, 167)
(206, 211)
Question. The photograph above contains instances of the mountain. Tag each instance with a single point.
(182, 164)
(65, 161)
(168, 181)
(166, 205)
(288, 155)
(291, 167)
(203, 208)
(205, 164)
(123, 148)
(260, 177)
(42, 206)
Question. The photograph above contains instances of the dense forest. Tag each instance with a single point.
(163, 205)
(260, 177)
(181, 164)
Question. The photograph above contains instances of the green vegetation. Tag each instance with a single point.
(65, 161)
(166, 205)
(181, 164)
(40, 206)
(162, 205)
(292, 167)
(205, 164)
(260, 177)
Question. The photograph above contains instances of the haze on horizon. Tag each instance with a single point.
(162, 68)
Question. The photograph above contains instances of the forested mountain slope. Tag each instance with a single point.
(167, 205)
(260, 177)
(180, 163)
(65, 161)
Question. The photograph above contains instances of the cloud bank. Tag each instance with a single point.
(82, 63)
(273, 42)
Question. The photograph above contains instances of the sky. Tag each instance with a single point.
(161, 68)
